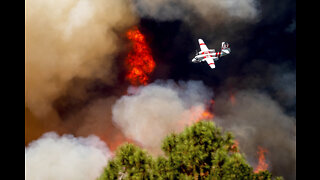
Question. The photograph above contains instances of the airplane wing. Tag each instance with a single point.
(203, 46)
(210, 61)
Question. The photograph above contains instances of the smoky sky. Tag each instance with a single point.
(262, 60)
(268, 41)
(264, 50)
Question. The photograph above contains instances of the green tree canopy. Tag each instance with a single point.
(201, 151)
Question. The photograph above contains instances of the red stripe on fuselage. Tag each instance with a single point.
(202, 44)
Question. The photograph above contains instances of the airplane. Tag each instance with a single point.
(210, 55)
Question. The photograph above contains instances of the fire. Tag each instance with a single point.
(206, 115)
(235, 146)
(196, 114)
(139, 61)
(262, 166)
(232, 99)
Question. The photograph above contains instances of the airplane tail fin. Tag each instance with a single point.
(225, 47)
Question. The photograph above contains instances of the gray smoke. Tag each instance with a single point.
(57, 157)
(257, 120)
(76, 39)
(96, 118)
(166, 10)
(278, 80)
(155, 110)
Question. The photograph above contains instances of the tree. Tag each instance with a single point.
(130, 162)
(201, 151)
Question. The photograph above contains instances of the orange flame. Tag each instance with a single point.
(262, 166)
(197, 114)
(139, 61)
(235, 146)
(207, 114)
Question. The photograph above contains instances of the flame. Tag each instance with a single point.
(206, 115)
(139, 61)
(232, 99)
(196, 117)
(196, 114)
(235, 146)
(262, 166)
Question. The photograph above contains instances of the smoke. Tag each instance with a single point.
(95, 118)
(68, 39)
(278, 80)
(284, 83)
(213, 20)
(151, 112)
(257, 120)
(167, 10)
(71, 45)
(65, 157)
(155, 110)
(35, 127)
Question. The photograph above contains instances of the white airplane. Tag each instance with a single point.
(210, 55)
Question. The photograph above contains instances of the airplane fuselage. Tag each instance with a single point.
(209, 55)
(202, 55)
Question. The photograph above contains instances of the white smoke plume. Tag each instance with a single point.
(57, 157)
(68, 39)
(166, 10)
(257, 120)
(160, 108)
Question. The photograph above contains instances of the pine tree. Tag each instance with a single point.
(130, 162)
(201, 151)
